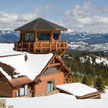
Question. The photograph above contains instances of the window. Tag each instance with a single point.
(26, 89)
(55, 36)
(43, 36)
(23, 91)
(50, 85)
(29, 37)
(32, 37)
(26, 36)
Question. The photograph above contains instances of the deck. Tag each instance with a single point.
(41, 46)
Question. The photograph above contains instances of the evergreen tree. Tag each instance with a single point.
(99, 84)
(85, 80)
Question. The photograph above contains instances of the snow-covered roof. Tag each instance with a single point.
(77, 89)
(5, 74)
(30, 67)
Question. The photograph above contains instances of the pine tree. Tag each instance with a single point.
(85, 80)
(99, 84)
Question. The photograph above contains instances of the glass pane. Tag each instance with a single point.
(32, 37)
(55, 36)
(17, 94)
(44, 36)
(26, 89)
(26, 36)
(50, 85)
(21, 91)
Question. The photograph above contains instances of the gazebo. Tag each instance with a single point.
(41, 36)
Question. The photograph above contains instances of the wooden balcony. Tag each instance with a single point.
(41, 47)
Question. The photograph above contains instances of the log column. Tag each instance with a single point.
(51, 36)
(59, 36)
(23, 36)
(36, 36)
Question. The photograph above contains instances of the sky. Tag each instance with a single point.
(76, 15)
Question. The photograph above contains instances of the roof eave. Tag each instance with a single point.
(40, 29)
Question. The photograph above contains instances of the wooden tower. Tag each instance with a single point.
(41, 36)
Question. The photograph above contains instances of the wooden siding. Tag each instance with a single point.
(5, 89)
(41, 88)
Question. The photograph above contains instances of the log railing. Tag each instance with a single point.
(41, 46)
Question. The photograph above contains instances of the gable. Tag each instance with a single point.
(55, 65)
(52, 70)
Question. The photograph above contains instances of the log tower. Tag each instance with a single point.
(41, 36)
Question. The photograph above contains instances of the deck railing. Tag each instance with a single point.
(41, 46)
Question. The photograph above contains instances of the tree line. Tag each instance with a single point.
(84, 66)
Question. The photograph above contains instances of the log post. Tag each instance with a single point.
(51, 36)
(36, 36)
(40, 47)
(59, 36)
(50, 46)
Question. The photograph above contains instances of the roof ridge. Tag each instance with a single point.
(37, 23)
(48, 22)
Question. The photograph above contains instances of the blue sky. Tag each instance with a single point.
(77, 15)
(23, 6)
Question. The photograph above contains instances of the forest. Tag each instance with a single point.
(88, 66)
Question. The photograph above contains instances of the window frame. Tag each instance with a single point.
(44, 36)
(30, 38)
(18, 93)
(52, 87)
(55, 36)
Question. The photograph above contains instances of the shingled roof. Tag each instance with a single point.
(41, 24)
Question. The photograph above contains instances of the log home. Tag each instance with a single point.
(31, 75)
(38, 71)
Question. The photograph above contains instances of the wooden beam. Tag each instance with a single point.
(56, 64)
(50, 46)
(20, 36)
(51, 36)
(36, 36)
(23, 36)
(59, 36)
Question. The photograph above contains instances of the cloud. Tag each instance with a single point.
(81, 18)
(12, 20)
(87, 18)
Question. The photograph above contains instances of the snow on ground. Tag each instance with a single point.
(7, 49)
(77, 89)
(31, 67)
(59, 101)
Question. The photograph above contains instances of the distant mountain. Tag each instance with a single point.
(89, 38)
(8, 36)
(77, 41)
